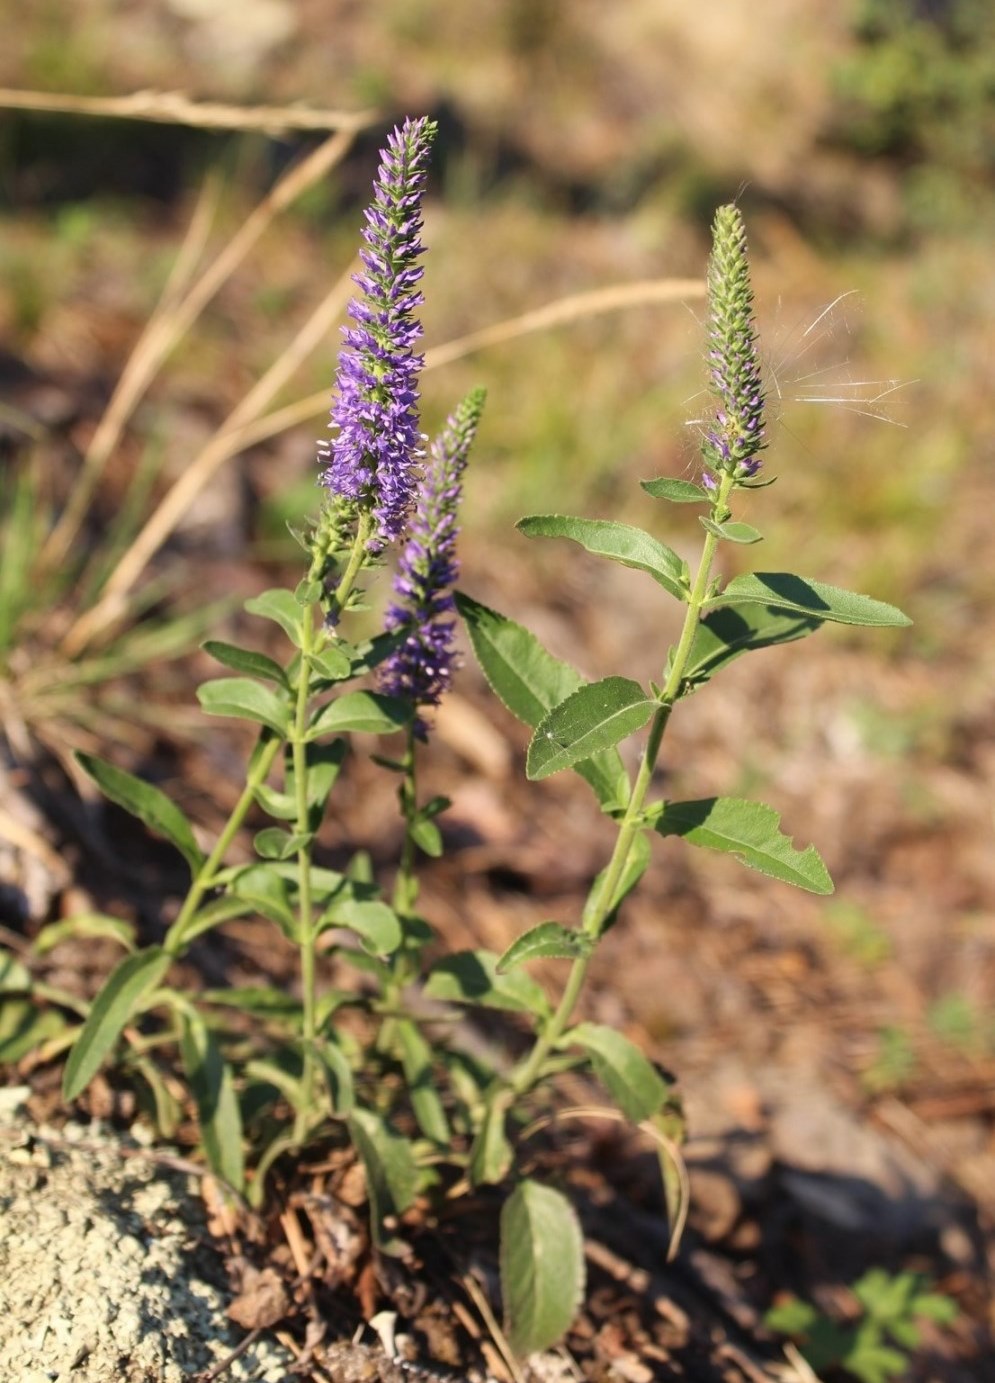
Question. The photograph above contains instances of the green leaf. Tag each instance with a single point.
(751, 832)
(280, 805)
(470, 977)
(332, 664)
(595, 717)
(213, 1088)
(262, 886)
(146, 802)
(427, 836)
(677, 491)
(281, 607)
(24, 1028)
(251, 998)
(208, 916)
(375, 924)
(84, 924)
(127, 985)
(245, 700)
(491, 1154)
(548, 940)
(791, 1317)
(246, 660)
(372, 713)
(338, 1077)
(15, 978)
(391, 1174)
(367, 656)
(727, 634)
(804, 597)
(619, 542)
(307, 592)
(542, 1267)
(530, 682)
(631, 1080)
(635, 868)
(416, 1058)
(274, 843)
(731, 532)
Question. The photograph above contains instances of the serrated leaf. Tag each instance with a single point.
(619, 542)
(548, 940)
(281, 607)
(751, 832)
(126, 986)
(677, 491)
(635, 868)
(416, 1058)
(84, 924)
(727, 634)
(332, 664)
(730, 531)
(804, 597)
(542, 1267)
(375, 924)
(491, 1154)
(627, 1075)
(595, 717)
(530, 682)
(470, 977)
(244, 699)
(246, 660)
(213, 1088)
(371, 713)
(151, 806)
(262, 886)
(391, 1174)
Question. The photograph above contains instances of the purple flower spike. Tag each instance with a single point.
(421, 668)
(372, 458)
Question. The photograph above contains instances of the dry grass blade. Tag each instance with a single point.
(173, 108)
(245, 427)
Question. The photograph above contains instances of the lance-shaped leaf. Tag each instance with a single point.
(83, 924)
(547, 941)
(245, 699)
(147, 803)
(213, 1089)
(375, 924)
(114, 1005)
(281, 607)
(332, 664)
(728, 633)
(619, 542)
(750, 831)
(530, 682)
(246, 660)
(595, 717)
(631, 1080)
(804, 597)
(369, 712)
(677, 491)
(470, 977)
(730, 531)
(391, 1173)
(416, 1058)
(491, 1154)
(542, 1266)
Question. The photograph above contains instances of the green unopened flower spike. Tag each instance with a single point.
(736, 436)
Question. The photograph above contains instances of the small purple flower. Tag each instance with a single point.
(736, 435)
(421, 668)
(372, 460)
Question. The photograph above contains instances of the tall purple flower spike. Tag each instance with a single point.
(373, 457)
(421, 668)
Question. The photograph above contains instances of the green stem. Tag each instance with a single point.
(528, 1072)
(306, 928)
(404, 883)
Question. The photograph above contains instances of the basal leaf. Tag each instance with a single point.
(804, 597)
(548, 940)
(146, 802)
(391, 1173)
(281, 607)
(677, 491)
(369, 712)
(730, 531)
(470, 977)
(213, 1088)
(416, 1058)
(595, 717)
(751, 832)
(542, 1267)
(728, 633)
(619, 542)
(245, 700)
(491, 1154)
(530, 682)
(246, 660)
(631, 1080)
(127, 985)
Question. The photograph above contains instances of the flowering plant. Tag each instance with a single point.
(451, 1118)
